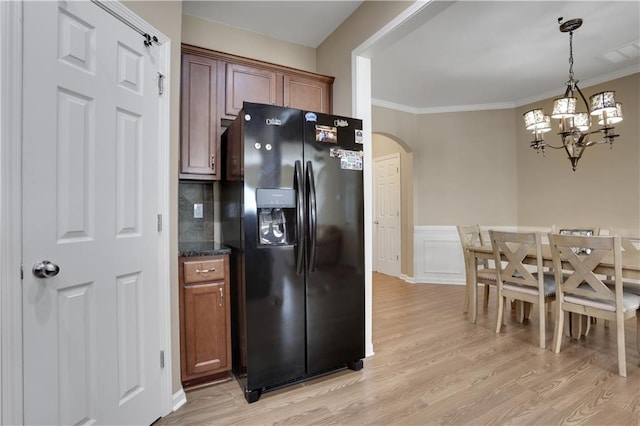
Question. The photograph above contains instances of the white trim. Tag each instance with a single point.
(362, 110)
(179, 399)
(438, 257)
(443, 109)
(11, 380)
(406, 14)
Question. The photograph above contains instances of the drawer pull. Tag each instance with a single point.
(205, 271)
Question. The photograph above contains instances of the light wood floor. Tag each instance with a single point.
(431, 366)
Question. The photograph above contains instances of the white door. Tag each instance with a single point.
(90, 204)
(386, 224)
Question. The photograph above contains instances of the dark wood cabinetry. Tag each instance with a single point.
(205, 321)
(251, 84)
(200, 149)
(214, 86)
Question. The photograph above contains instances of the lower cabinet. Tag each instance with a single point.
(205, 322)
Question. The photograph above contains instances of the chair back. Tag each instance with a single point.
(510, 250)
(470, 235)
(574, 269)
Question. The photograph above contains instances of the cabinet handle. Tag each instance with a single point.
(213, 161)
(205, 271)
(221, 304)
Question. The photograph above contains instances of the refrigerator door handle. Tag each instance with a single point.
(298, 177)
(313, 216)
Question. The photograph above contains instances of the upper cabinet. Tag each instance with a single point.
(251, 84)
(214, 86)
(199, 131)
(308, 94)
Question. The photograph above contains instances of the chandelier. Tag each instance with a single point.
(575, 127)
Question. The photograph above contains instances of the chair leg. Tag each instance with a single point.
(542, 324)
(559, 329)
(520, 311)
(487, 287)
(499, 317)
(622, 360)
(638, 330)
(465, 307)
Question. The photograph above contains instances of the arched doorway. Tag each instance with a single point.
(389, 198)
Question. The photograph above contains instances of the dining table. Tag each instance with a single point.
(630, 268)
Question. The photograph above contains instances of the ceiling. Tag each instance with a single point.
(462, 55)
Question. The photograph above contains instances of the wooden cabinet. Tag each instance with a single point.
(200, 129)
(205, 320)
(214, 86)
(251, 84)
(308, 94)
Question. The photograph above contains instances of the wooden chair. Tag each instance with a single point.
(515, 279)
(471, 236)
(579, 290)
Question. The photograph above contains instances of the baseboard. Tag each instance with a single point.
(179, 399)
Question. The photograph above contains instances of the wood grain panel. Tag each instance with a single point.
(202, 271)
(245, 83)
(205, 328)
(200, 149)
(307, 94)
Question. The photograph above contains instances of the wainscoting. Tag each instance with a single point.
(438, 257)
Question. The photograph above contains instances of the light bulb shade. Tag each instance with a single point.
(603, 101)
(581, 121)
(613, 117)
(564, 107)
(543, 126)
(533, 118)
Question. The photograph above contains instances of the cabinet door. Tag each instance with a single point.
(200, 149)
(307, 94)
(205, 329)
(245, 83)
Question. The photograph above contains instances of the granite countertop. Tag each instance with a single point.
(201, 248)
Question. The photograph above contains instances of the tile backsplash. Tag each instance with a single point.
(195, 199)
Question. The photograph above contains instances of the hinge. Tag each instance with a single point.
(159, 223)
(21, 273)
(160, 83)
(161, 359)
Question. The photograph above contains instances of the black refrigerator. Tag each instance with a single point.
(292, 208)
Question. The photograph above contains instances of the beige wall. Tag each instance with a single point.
(215, 36)
(605, 188)
(334, 54)
(385, 145)
(166, 17)
(464, 164)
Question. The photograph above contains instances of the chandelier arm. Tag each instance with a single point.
(583, 98)
(554, 147)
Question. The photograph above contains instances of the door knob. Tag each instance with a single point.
(45, 269)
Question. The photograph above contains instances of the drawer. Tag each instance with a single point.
(198, 271)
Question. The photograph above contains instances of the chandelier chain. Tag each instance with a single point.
(571, 56)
